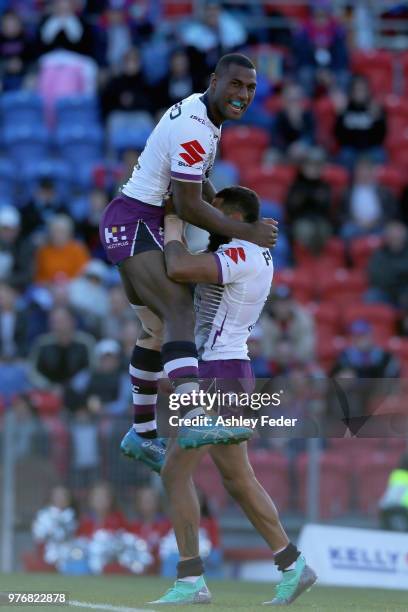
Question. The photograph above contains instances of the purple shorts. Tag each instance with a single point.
(233, 375)
(128, 227)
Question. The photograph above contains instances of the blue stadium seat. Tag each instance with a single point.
(256, 115)
(129, 131)
(272, 210)
(7, 181)
(21, 108)
(25, 143)
(80, 146)
(80, 111)
(224, 174)
(57, 170)
(281, 253)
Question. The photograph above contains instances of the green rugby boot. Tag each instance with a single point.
(184, 593)
(293, 584)
(210, 433)
(149, 451)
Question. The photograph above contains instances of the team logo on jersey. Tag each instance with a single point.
(194, 152)
(235, 253)
(115, 234)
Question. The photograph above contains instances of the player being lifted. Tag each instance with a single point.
(177, 158)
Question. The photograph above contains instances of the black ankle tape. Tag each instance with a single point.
(190, 567)
(286, 557)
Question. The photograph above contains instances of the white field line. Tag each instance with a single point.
(107, 607)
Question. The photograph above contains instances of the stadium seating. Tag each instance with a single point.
(381, 316)
(342, 286)
(327, 318)
(397, 118)
(25, 143)
(361, 250)
(332, 256)
(378, 67)
(77, 110)
(334, 484)
(329, 348)
(403, 62)
(371, 472)
(399, 347)
(224, 174)
(326, 116)
(244, 138)
(391, 178)
(270, 182)
(54, 169)
(21, 108)
(80, 146)
(338, 179)
(298, 280)
(129, 132)
(7, 182)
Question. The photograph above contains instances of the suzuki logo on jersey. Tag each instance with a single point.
(112, 236)
(194, 152)
(235, 253)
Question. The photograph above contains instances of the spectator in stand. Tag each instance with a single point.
(88, 228)
(365, 357)
(14, 51)
(62, 28)
(367, 206)
(179, 83)
(13, 324)
(361, 125)
(129, 91)
(103, 511)
(114, 36)
(85, 449)
(285, 320)
(62, 256)
(260, 364)
(294, 123)
(88, 296)
(320, 49)
(31, 437)
(388, 266)
(218, 32)
(105, 386)
(308, 204)
(16, 252)
(59, 355)
(119, 313)
(44, 204)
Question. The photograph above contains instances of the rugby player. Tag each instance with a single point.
(177, 158)
(233, 282)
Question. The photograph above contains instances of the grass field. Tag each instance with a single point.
(130, 594)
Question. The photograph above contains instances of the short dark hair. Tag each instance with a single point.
(240, 199)
(233, 58)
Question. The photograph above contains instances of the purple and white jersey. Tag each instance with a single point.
(182, 146)
(227, 312)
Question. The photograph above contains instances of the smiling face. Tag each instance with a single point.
(232, 92)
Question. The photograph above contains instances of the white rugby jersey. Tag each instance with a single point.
(182, 146)
(227, 312)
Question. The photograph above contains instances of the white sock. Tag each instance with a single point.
(190, 579)
(290, 567)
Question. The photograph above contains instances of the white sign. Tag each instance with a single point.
(344, 556)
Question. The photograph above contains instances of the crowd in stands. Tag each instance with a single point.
(324, 145)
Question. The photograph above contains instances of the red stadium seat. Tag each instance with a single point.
(397, 118)
(361, 250)
(329, 348)
(403, 59)
(343, 286)
(381, 316)
(60, 444)
(46, 402)
(326, 317)
(246, 160)
(392, 178)
(371, 472)
(273, 104)
(175, 10)
(338, 179)
(335, 489)
(244, 137)
(378, 67)
(272, 471)
(208, 479)
(325, 113)
(332, 256)
(270, 182)
(298, 280)
(294, 12)
(398, 152)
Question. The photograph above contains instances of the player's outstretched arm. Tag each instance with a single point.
(187, 198)
(182, 266)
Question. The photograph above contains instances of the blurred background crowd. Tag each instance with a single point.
(325, 145)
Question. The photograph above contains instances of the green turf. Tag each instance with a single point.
(134, 592)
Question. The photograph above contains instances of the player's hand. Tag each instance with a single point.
(265, 233)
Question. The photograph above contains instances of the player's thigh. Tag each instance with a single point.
(232, 461)
(144, 278)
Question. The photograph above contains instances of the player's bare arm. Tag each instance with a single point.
(189, 205)
(208, 191)
(181, 265)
